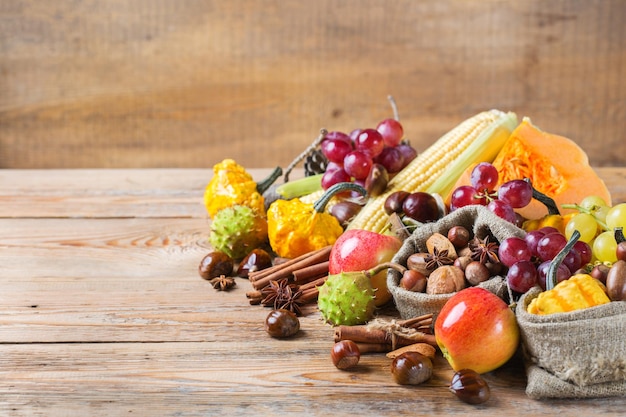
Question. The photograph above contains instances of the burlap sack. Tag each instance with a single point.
(581, 354)
(481, 223)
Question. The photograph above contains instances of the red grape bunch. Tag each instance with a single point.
(502, 201)
(529, 258)
(351, 156)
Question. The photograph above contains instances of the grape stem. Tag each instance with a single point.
(394, 107)
(558, 259)
(591, 211)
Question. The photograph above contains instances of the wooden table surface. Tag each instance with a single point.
(102, 312)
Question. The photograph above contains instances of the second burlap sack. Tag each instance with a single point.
(579, 354)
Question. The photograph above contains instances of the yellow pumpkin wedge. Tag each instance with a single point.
(556, 166)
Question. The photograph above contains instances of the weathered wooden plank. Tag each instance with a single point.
(171, 83)
(254, 377)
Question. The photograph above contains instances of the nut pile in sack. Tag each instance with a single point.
(497, 238)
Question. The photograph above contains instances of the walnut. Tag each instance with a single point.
(445, 280)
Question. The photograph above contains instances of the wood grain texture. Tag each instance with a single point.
(171, 83)
(104, 314)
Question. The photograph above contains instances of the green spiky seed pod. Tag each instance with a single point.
(237, 230)
(347, 299)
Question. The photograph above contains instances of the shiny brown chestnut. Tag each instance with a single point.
(393, 203)
(282, 323)
(411, 368)
(470, 387)
(256, 260)
(214, 264)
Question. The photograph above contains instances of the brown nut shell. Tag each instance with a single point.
(441, 243)
(411, 368)
(445, 280)
(215, 264)
(417, 262)
(470, 387)
(616, 281)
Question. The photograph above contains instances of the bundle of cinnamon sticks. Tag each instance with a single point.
(306, 273)
(386, 336)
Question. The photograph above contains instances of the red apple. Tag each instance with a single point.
(359, 250)
(475, 329)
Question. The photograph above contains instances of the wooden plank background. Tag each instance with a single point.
(185, 83)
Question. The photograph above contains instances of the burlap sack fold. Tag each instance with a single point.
(580, 354)
(481, 223)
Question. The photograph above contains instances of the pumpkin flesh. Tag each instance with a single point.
(556, 166)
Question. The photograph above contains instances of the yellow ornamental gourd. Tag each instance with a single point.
(232, 185)
(578, 292)
(296, 227)
(575, 293)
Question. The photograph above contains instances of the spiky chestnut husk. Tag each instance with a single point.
(347, 298)
(237, 230)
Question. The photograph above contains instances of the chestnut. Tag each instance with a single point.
(282, 323)
(345, 354)
(214, 264)
(256, 260)
(616, 281)
(411, 368)
(393, 203)
(470, 387)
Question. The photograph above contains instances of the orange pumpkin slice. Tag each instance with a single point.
(556, 166)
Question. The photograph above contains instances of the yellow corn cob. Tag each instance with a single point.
(437, 168)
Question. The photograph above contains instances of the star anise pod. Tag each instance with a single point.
(223, 283)
(294, 303)
(281, 294)
(438, 258)
(483, 250)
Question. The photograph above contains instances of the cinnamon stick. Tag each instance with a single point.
(286, 269)
(309, 295)
(313, 284)
(286, 263)
(311, 272)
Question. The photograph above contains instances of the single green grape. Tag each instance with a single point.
(616, 216)
(604, 247)
(600, 214)
(591, 202)
(585, 224)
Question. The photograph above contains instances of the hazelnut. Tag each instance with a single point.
(417, 262)
(476, 272)
(413, 281)
(459, 236)
(345, 354)
(462, 261)
(600, 272)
